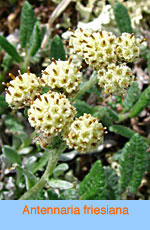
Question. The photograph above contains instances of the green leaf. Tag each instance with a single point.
(26, 112)
(117, 155)
(7, 62)
(2, 77)
(93, 185)
(140, 161)
(106, 115)
(12, 2)
(133, 163)
(42, 162)
(3, 103)
(11, 155)
(16, 142)
(142, 103)
(60, 169)
(112, 179)
(60, 184)
(30, 162)
(122, 18)
(122, 130)
(25, 139)
(10, 49)
(30, 179)
(45, 89)
(35, 39)
(82, 107)
(20, 176)
(26, 150)
(148, 60)
(126, 164)
(68, 156)
(57, 50)
(13, 124)
(27, 24)
(42, 32)
(38, 196)
(52, 195)
(70, 194)
(131, 97)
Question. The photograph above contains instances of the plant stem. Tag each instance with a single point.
(93, 80)
(26, 62)
(57, 11)
(54, 156)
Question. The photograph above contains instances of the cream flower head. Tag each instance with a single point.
(62, 75)
(22, 90)
(128, 47)
(50, 113)
(78, 40)
(115, 79)
(96, 48)
(85, 134)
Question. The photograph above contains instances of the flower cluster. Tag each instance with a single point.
(107, 53)
(52, 113)
(22, 90)
(103, 48)
(115, 79)
(85, 134)
(62, 75)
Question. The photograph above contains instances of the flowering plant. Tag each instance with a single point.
(74, 104)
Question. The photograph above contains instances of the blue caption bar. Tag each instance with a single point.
(70, 215)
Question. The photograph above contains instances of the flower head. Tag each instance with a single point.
(85, 134)
(22, 90)
(51, 113)
(78, 40)
(62, 75)
(96, 48)
(128, 47)
(115, 79)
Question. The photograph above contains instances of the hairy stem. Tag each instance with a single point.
(93, 80)
(54, 156)
(26, 63)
